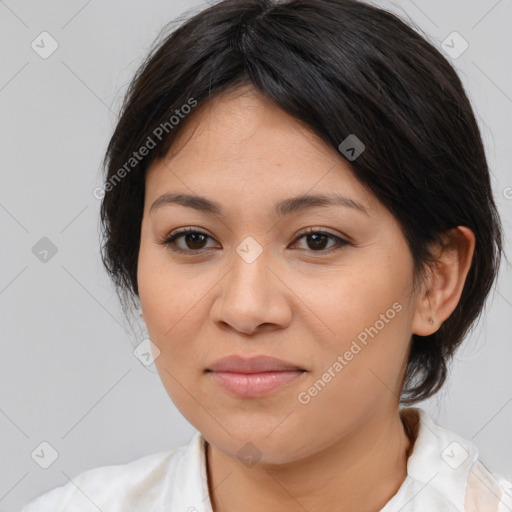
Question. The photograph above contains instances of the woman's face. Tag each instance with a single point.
(337, 304)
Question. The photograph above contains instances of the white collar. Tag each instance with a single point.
(437, 469)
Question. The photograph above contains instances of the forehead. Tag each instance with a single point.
(242, 144)
(244, 122)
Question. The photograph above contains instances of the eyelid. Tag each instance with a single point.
(325, 231)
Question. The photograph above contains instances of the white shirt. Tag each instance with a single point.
(443, 475)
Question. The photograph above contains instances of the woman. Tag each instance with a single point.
(297, 196)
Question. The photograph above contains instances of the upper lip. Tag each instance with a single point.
(255, 364)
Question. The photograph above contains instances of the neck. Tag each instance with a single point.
(372, 457)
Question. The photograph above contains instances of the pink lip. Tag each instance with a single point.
(255, 376)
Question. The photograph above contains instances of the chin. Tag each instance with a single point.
(262, 442)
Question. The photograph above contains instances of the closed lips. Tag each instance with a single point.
(253, 377)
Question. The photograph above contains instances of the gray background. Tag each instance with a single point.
(68, 373)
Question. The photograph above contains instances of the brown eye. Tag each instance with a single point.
(316, 241)
(193, 240)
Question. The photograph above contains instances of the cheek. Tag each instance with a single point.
(359, 368)
(167, 293)
(343, 303)
(171, 306)
(175, 304)
(362, 315)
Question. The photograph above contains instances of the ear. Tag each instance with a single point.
(441, 289)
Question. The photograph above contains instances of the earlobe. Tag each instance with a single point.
(441, 290)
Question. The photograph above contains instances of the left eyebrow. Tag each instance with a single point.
(281, 209)
(303, 202)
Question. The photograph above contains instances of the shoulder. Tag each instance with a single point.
(118, 487)
(487, 491)
(445, 473)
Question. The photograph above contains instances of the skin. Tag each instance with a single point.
(300, 301)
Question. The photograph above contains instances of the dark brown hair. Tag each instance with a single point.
(342, 67)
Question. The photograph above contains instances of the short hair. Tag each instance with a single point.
(341, 67)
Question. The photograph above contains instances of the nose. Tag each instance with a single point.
(252, 297)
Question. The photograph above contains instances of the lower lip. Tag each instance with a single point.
(253, 385)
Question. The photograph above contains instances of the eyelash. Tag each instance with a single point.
(169, 240)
